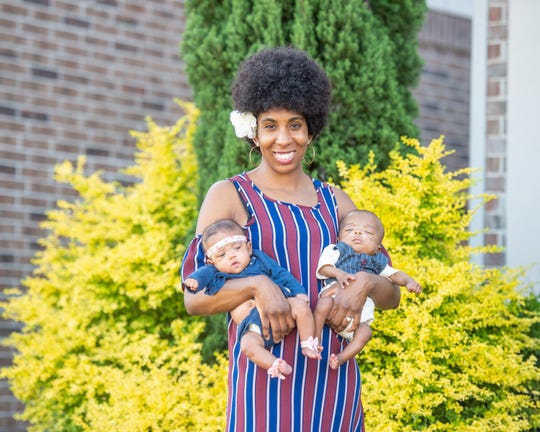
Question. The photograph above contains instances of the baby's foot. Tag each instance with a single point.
(334, 361)
(311, 347)
(279, 368)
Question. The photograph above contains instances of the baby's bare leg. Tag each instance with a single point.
(252, 346)
(361, 337)
(305, 323)
(242, 310)
(323, 308)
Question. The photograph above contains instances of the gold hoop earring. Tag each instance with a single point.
(251, 153)
(312, 156)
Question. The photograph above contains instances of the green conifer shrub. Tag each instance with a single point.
(367, 48)
(105, 344)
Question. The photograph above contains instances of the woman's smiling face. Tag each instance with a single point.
(282, 137)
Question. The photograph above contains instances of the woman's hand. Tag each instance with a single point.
(349, 301)
(273, 308)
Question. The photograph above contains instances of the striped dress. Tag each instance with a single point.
(314, 397)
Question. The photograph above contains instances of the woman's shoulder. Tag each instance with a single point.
(220, 192)
(344, 202)
(221, 186)
(221, 202)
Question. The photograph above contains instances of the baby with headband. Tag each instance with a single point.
(229, 255)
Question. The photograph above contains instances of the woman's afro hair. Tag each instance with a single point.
(283, 77)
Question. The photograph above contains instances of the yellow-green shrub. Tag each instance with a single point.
(453, 358)
(107, 346)
(104, 345)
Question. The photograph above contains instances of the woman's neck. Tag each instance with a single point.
(294, 187)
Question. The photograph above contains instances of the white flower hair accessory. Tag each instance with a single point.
(245, 124)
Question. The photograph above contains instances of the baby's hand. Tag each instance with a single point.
(414, 287)
(192, 284)
(345, 278)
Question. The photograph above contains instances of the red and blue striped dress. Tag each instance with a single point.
(314, 397)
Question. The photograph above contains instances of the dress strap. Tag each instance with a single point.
(240, 182)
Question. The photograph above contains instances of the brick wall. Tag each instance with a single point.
(75, 77)
(443, 91)
(496, 140)
(443, 96)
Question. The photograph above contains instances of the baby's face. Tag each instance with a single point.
(362, 232)
(233, 256)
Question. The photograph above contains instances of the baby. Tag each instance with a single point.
(229, 255)
(359, 249)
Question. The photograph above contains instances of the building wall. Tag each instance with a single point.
(504, 131)
(523, 132)
(443, 91)
(75, 78)
(495, 179)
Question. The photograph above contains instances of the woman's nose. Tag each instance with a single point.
(283, 136)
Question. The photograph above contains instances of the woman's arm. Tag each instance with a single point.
(222, 202)
(349, 301)
(273, 307)
(234, 292)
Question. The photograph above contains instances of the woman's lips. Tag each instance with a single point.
(284, 157)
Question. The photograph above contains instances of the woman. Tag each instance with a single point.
(282, 98)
